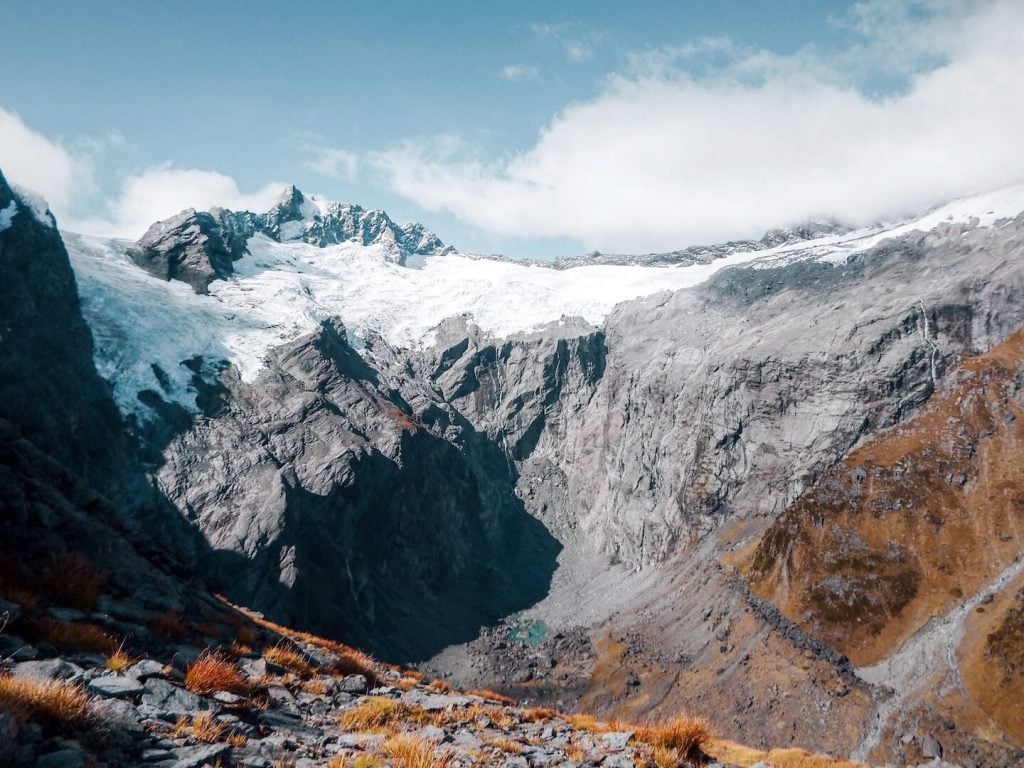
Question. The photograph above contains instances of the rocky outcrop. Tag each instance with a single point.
(200, 247)
(345, 498)
(732, 398)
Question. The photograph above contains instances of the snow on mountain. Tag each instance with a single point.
(288, 282)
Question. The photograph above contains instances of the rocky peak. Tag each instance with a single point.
(198, 247)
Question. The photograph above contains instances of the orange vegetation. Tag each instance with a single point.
(53, 701)
(211, 673)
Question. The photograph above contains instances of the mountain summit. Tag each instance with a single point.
(198, 247)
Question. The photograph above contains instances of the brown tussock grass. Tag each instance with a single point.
(414, 752)
(290, 659)
(119, 661)
(75, 636)
(575, 753)
(440, 686)
(318, 686)
(212, 672)
(499, 698)
(202, 727)
(170, 625)
(406, 684)
(376, 714)
(73, 580)
(539, 715)
(665, 758)
(684, 734)
(508, 746)
(53, 701)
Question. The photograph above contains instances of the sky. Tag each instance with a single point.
(534, 129)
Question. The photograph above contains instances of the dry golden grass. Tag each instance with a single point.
(119, 661)
(290, 659)
(575, 753)
(203, 727)
(318, 686)
(585, 722)
(211, 673)
(684, 734)
(406, 684)
(169, 625)
(54, 702)
(349, 662)
(376, 714)
(414, 752)
(539, 715)
(236, 740)
(366, 760)
(440, 686)
(737, 754)
(75, 636)
(507, 745)
(493, 696)
(73, 580)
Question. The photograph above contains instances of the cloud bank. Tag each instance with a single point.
(65, 176)
(707, 142)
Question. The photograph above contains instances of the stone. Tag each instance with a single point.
(8, 734)
(16, 649)
(120, 713)
(48, 669)
(930, 746)
(194, 757)
(170, 699)
(617, 761)
(616, 740)
(224, 697)
(353, 684)
(145, 669)
(432, 733)
(118, 686)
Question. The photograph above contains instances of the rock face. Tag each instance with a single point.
(49, 389)
(341, 497)
(733, 397)
(200, 247)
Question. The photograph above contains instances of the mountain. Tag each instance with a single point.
(199, 247)
(619, 487)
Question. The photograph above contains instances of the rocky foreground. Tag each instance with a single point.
(188, 680)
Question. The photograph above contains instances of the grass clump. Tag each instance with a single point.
(375, 714)
(211, 673)
(498, 698)
(119, 661)
(415, 752)
(290, 659)
(53, 701)
(684, 734)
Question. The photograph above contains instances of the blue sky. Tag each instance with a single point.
(333, 96)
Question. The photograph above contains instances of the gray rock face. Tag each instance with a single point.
(194, 247)
(200, 247)
(732, 397)
(424, 525)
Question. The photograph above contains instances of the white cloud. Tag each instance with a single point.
(33, 161)
(65, 175)
(162, 191)
(515, 72)
(335, 163)
(671, 153)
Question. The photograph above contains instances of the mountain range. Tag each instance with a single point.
(771, 483)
